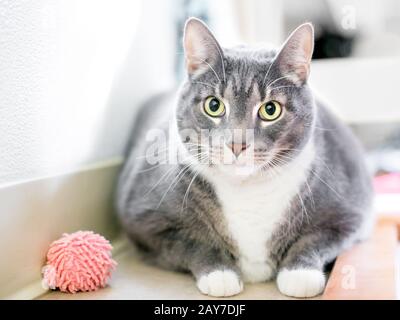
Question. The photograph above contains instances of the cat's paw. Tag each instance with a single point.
(301, 283)
(220, 283)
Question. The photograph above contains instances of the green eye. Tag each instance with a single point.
(214, 107)
(270, 111)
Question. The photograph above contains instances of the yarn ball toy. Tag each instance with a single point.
(80, 261)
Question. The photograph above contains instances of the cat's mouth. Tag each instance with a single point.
(222, 158)
(246, 164)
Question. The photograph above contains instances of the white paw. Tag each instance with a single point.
(301, 283)
(220, 283)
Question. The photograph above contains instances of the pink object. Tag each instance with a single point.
(80, 261)
(387, 183)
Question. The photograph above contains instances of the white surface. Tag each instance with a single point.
(133, 279)
(72, 72)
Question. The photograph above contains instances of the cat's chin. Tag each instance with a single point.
(240, 171)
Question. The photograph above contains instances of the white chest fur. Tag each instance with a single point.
(253, 207)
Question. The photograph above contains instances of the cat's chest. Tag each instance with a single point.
(252, 209)
(251, 212)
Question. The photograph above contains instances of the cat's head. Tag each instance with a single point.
(242, 110)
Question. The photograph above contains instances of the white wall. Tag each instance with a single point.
(72, 73)
(260, 21)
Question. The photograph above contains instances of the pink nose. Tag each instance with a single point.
(237, 148)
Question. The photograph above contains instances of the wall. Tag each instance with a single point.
(62, 67)
(72, 75)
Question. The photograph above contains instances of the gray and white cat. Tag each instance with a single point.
(280, 202)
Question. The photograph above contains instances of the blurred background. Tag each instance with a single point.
(74, 72)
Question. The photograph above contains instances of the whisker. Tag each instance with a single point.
(209, 65)
(176, 179)
(324, 182)
(280, 78)
(269, 69)
(206, 84)
(304, 212)
(185, 198)
(320, 128)
(159, 181)
(280, 87)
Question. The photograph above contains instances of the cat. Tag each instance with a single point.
(276, 190)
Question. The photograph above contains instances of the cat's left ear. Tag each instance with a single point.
(294, 58)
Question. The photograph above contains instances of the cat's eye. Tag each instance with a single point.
(214, 107)
(270, 111)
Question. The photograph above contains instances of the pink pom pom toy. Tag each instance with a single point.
(80, 261)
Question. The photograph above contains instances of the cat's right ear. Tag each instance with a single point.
(202, 50)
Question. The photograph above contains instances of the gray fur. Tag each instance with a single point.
(191, 235)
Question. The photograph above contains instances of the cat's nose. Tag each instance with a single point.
(237, 148)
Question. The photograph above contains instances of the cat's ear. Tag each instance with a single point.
(202, 50)
(294, 58)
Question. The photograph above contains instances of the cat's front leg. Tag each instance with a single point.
(220, 279)
(220, 283)
(301, 273)
(301, 282)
